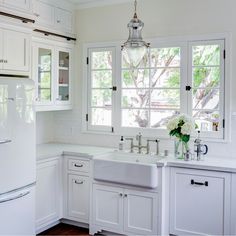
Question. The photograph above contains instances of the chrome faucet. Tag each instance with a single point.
(140, 146)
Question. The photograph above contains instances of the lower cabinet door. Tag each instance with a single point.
(199, 202)
(78, 197)
(140, 212)
(108, 207)
(48, 193)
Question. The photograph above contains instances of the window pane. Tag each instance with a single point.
(143, 64)
(135, 118)
(102, 60)
(44, 95)
(102, 79)
(135, 98)
(206, 77)
(101, 97)
(165, 78)
(101, 116)
(165, 98)
(207, 120)
(135, 78)
(165, 57)
(159, 119)
(206, 55)
(206, 98)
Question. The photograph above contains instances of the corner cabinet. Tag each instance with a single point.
(52, 72)
(15, 51)
(48, 193)
(199, 202)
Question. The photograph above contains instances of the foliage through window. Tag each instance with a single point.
(171, 79)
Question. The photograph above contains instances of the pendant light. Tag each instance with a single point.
(135, 48)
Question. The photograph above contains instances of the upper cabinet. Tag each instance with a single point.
(51, 17)
(23, 5)
(52, 72)
(14, 52)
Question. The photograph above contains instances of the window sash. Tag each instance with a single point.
(186, 78)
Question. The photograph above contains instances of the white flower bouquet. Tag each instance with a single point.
(181, 127)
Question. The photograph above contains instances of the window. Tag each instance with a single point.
(151, 93)
(172, 78)
(101, 77)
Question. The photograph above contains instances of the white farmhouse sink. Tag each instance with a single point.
(127, 168)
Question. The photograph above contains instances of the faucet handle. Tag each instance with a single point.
(138, 136)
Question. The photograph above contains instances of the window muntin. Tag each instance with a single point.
(207, 77)
(160, 81)
(101, 76)
(153, 88)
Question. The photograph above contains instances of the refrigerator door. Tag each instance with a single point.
(17, 134)
(17, 212)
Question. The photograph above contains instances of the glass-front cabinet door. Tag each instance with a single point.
(43, 73)
(63, 76)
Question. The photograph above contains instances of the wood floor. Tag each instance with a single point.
(63, 229)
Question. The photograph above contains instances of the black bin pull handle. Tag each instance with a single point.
(199, 183)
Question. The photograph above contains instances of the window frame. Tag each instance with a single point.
(184, 42)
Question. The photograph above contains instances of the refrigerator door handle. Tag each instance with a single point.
(15, 197)
(5, 141)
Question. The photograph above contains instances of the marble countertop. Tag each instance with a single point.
(50, 150)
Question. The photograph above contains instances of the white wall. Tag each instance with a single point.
(162, 18)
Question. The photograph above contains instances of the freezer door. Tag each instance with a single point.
(17, 212)
(17, 134)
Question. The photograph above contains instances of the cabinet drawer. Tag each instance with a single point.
(78, 165)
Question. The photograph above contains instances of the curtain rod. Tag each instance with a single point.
(46, 33)
(23, 19)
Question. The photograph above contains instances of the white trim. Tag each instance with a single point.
(100, 3)
(181, 40)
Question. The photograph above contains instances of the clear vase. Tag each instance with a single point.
(180, 148)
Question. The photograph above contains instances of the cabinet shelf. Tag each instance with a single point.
(63, 85)
(63, 68)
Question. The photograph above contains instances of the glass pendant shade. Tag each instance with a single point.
(135, 48)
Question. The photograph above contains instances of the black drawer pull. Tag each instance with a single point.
(198, 183)
(75, 165)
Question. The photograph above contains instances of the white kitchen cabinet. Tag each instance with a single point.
(78, 197)
(48, 193)
(45, 13)
(52, 72)
(199, 202)
(140, 212)
(14, 51)
(108, 207)
(24, 5)
(125, 211)
(64, 19)
(52, 17)
(233, 205)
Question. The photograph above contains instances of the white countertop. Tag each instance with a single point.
(49, 150)
(56, 149)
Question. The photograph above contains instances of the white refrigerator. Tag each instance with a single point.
(17, 156)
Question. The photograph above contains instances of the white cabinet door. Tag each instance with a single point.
(108, 207)
(233, 205)
(18, 4)
(78, 197)
(45, 13)
(16, 50)
(64, 20)
(140, 212)
(48, 193)
(199, 202)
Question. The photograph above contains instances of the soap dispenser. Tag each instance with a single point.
(121, 144)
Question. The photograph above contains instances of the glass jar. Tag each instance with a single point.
(180, 148)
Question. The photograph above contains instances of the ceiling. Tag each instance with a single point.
(95, 3)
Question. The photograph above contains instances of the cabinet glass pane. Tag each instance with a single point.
(44, 74)
(64, 75)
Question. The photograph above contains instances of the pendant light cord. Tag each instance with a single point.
(135, 9)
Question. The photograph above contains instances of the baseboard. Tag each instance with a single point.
(47, 226)
(74, 223)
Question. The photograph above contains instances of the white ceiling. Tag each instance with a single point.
(95, 3)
